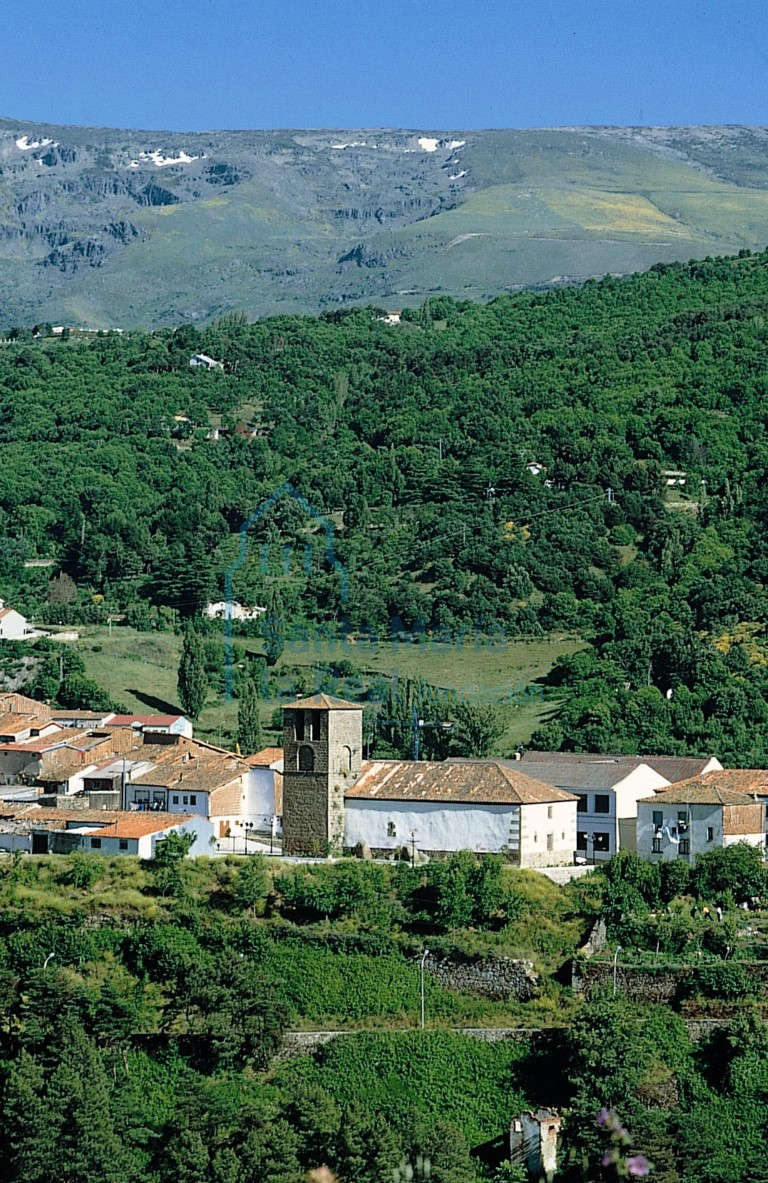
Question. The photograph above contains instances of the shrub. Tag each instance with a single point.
(729, 982)
(738, 869)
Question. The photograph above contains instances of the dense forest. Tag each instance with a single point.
(144, 1012)
(506, 470)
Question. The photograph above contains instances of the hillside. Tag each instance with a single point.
(110, 228)
(475, 474)
(146, 1007)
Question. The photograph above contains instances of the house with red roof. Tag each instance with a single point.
(165, 724)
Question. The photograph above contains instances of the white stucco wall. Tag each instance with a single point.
(259, 803)
(11, 842)
(480, 828)
(14, 626)
(547, 834)
(622, 805)
(702, 819)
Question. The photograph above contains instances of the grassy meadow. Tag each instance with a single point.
(139, 671)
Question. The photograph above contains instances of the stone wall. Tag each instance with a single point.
(648, 983)
(306, 1043)
(489, 977)
(305, 813)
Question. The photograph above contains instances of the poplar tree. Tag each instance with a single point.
(192, 681)
(273, 628)
(249, 733)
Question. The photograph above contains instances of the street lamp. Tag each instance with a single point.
(616, 968)
(424, 957)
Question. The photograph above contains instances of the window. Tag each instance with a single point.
(298, 724)
(581, 840)
(314, 719)
(185, 799)
(175, 798)
(582, 805)
(193, 798)
(656, 846)
(550, 841)
(602, 843)
(535, 839)
(391, 830)
(658, 819)
(96, 843)
(710, 833)
(602, 803)
(682, 821)
(684, 847)
(306, 760)
(549, 811)
(123, 844)
(346, 759)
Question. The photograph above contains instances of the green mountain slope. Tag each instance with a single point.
(126, 228)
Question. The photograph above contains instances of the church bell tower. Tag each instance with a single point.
(322, 758)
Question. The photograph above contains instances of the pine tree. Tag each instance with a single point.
(193, 682)
(249, 733)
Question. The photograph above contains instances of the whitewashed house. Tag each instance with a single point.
(608, 789)
(38, 830)
(266, 780)
(186, 776)
(698, 815)
(232, 610)
(162, 724)
(14, 626)
(203, 362)
(474, 805)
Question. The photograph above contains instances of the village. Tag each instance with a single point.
(117, 784)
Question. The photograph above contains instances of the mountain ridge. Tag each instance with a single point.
(103, 227)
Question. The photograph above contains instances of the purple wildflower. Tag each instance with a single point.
(638, 1166)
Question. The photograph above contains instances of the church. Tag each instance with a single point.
(333, 799)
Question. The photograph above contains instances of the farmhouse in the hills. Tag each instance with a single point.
(332, 799)
(15, 627)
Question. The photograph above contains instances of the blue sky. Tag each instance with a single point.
(424, 64)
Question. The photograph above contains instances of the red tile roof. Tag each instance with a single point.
(473, 781)
(265, 757)
(144, 720)
(140, 823)
(323, 702)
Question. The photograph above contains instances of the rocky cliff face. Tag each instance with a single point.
(101, 227)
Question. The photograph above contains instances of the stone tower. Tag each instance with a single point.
(322, 758)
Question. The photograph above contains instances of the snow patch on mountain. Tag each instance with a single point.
(26, 145)
(160, 160)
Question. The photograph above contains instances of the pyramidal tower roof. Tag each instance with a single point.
(323, 702)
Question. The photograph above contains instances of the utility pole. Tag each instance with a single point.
(424, 957)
